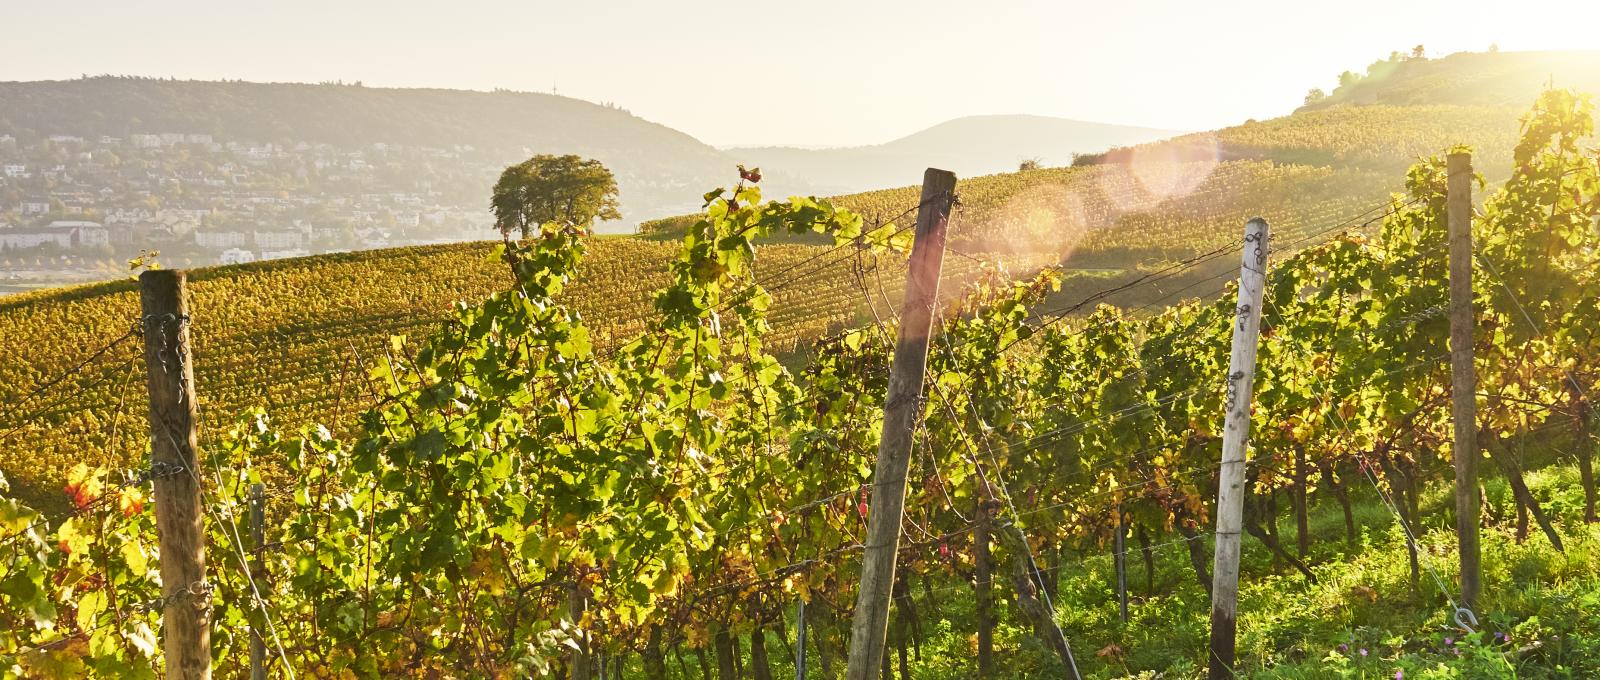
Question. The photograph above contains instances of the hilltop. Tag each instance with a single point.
(1494, 79)
(658, 168)
(969, 146)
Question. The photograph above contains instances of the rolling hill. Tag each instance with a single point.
(970, 146)
(660, 171)
(288, 335)
(658, 168)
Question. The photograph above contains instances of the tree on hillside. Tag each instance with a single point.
(1315, 95)
(1029, 164)
(567, 190)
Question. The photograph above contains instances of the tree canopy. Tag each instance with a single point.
(568, 190)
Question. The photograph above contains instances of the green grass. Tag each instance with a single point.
(1546, 603)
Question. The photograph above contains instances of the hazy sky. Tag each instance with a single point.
(813, 73)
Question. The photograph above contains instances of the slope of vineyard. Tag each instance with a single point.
(296, 336)
(282, 334)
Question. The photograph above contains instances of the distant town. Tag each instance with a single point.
(76, 209)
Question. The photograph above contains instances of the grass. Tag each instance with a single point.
(1364, 618)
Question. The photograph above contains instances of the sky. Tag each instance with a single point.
(819, 73)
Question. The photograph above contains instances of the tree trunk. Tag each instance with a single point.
(1271, 514)
(1401, 486)
(900, 642)
(1586, 460)
(655, 662)
(760, 666)
(1197, 555)
(820, 628)
(1024, 578)
(738, 658)
(1519, 487)
(1301, 488)
(1522, 520)
(906, 607)
(1051, 576)
(1149, 561)
(1252, 526)
(1331, 480)
(1491, 511)
(726, 670)
(984, 592)
(582, 663)
(683, 666)
(705, 665)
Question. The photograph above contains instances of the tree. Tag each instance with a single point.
(566, 190)
(1028, 164)
(1315, 95)
(1349, 78)
(1419, 52)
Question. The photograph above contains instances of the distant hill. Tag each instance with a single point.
(970, 146)
(660, 170)
(1484, 79)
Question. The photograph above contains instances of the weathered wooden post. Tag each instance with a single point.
(1235, 443)
(1463, 377)
(174, 471)
(870, 627)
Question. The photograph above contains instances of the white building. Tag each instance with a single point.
(221, 239)
(81, 233)
(237, 256)
(12, 239)
(279, 240)
(281, 254)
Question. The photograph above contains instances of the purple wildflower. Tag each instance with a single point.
(1363, 651)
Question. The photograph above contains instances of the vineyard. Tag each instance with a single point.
(519, 492)
(296, 337)
(291, 337)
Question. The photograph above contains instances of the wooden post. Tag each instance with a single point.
(258, 644)
(983, 585)
(800, 639)
(869, 628)
(174, 470)
(1463, 378)
(1235, 443)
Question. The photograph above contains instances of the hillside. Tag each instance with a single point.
(970, 146)
(1311, 174)
(1495, 79)
(297, 336)
(657, 167)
